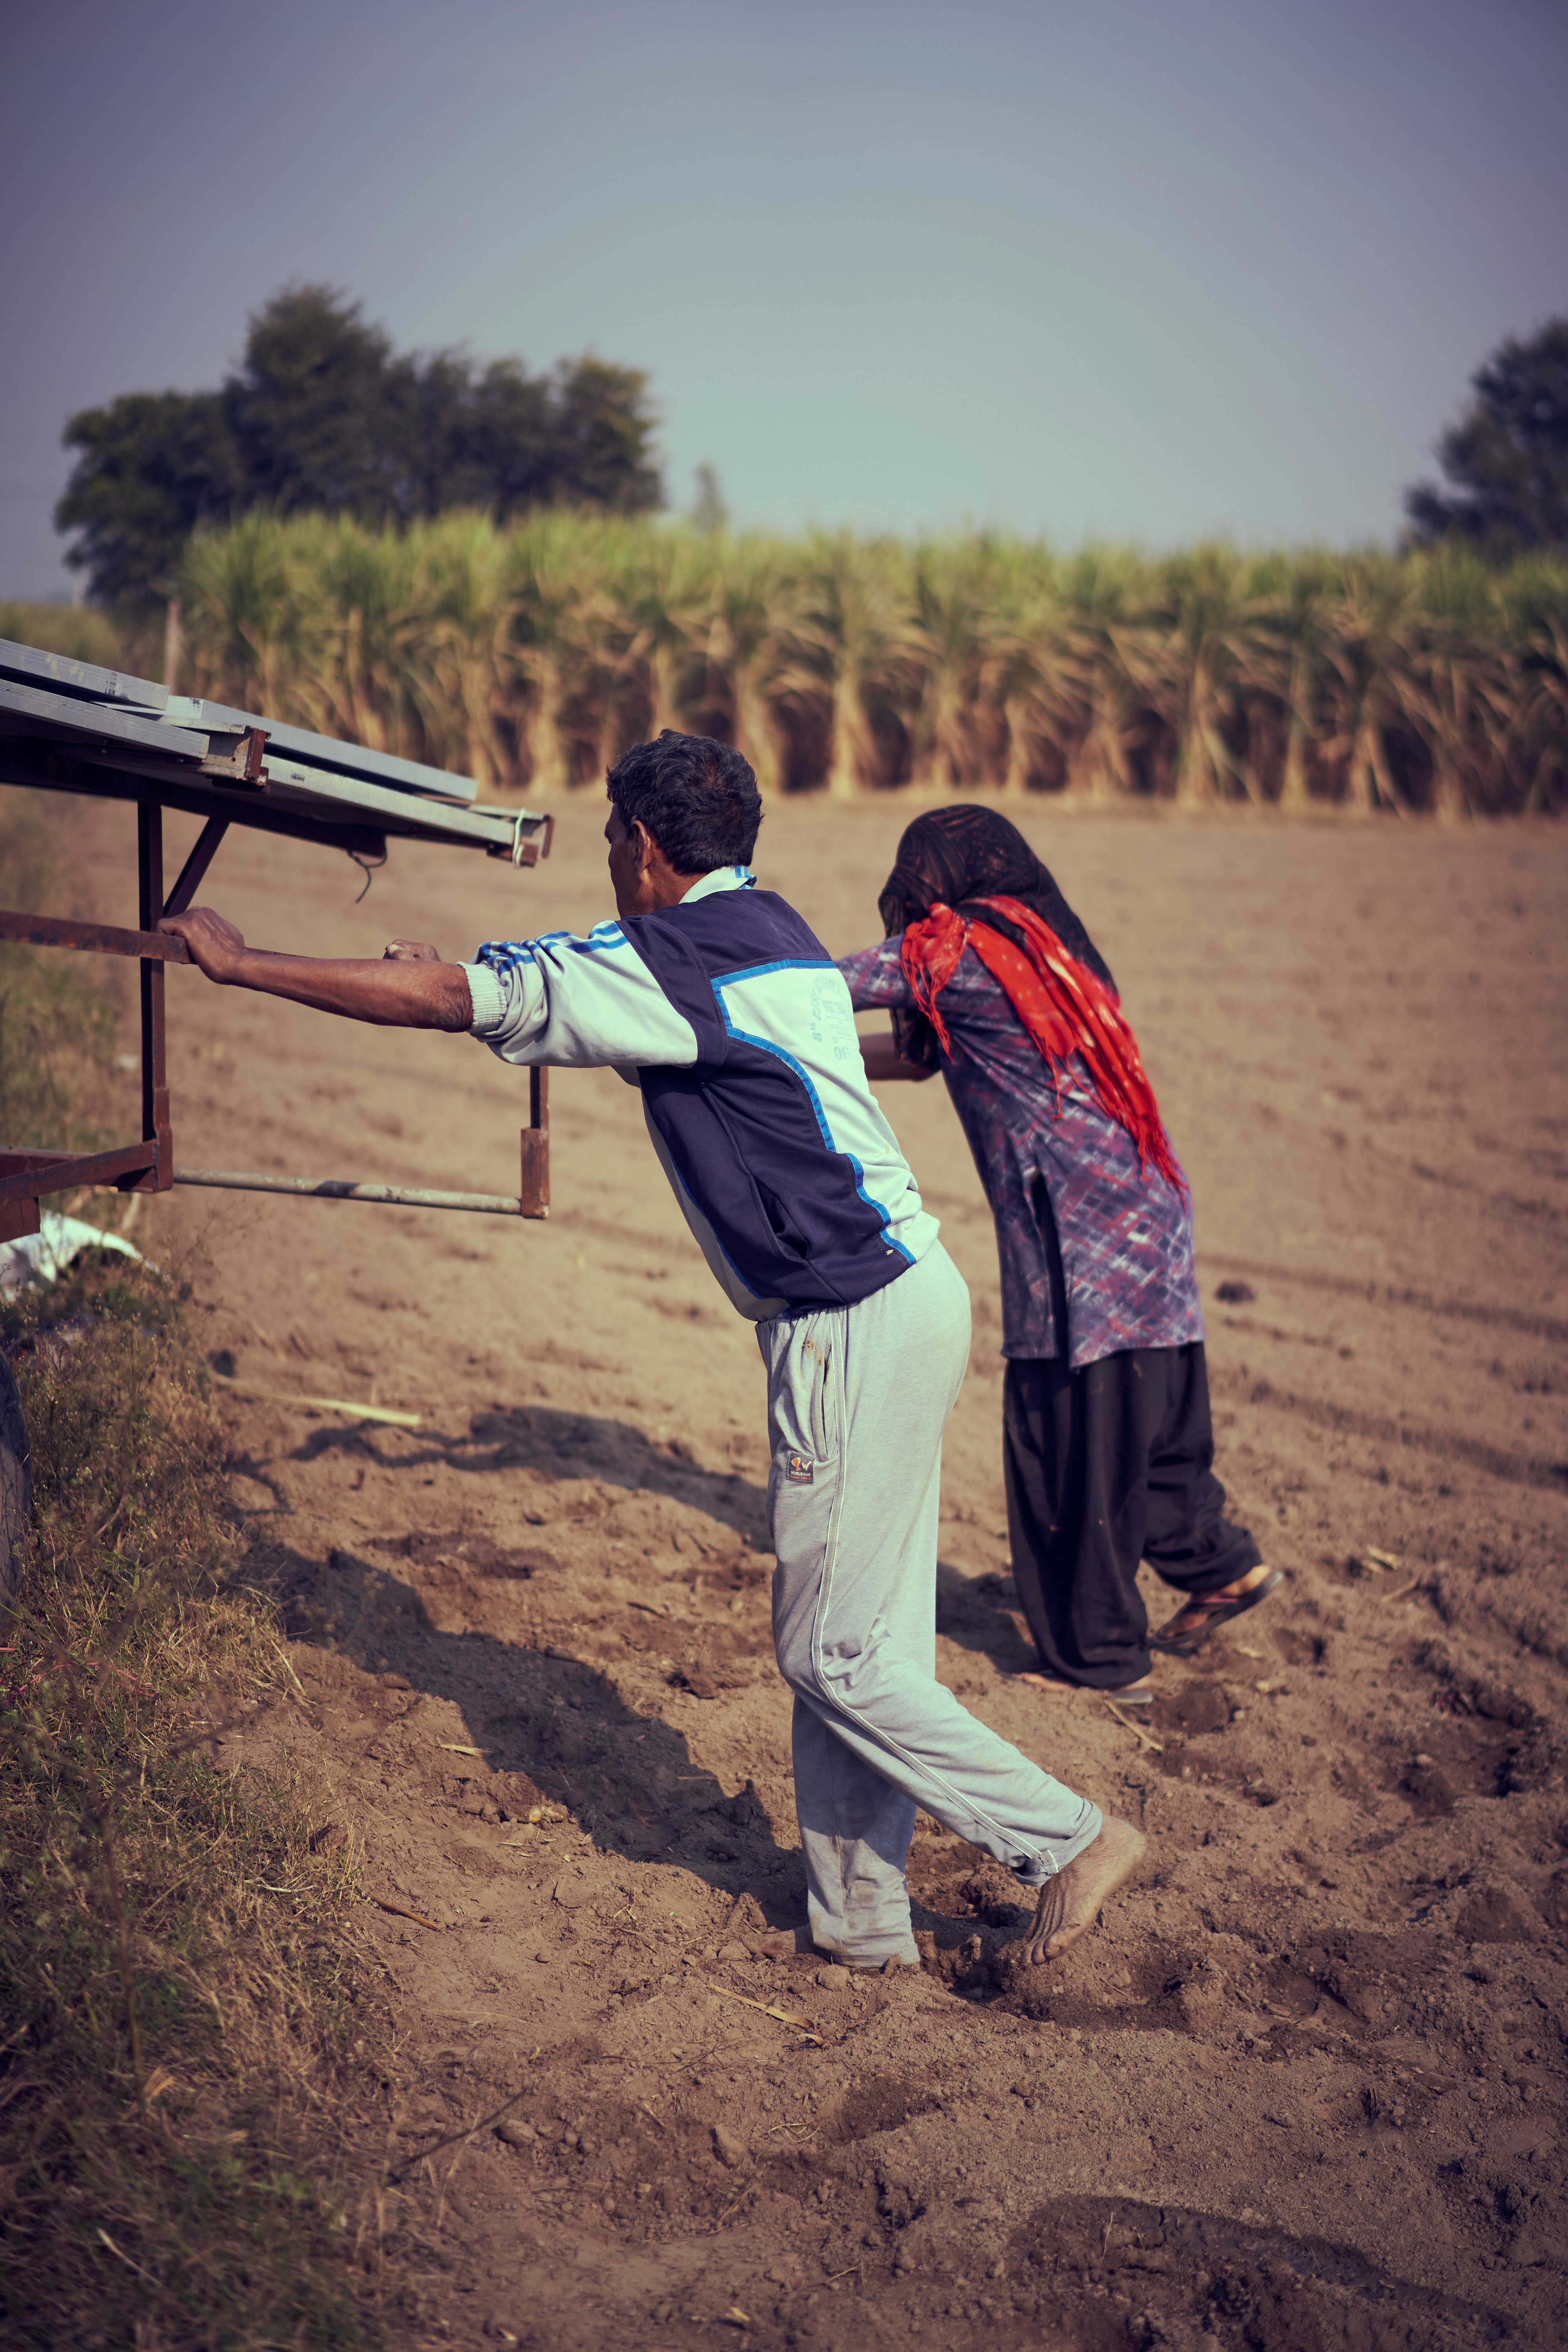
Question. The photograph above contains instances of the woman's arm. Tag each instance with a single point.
(882, 1058)
(410, 988)
(875, 979)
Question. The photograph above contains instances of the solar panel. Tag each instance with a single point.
(69, 726)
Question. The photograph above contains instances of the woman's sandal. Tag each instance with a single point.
(1217, 1611)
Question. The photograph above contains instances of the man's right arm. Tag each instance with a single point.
(407, 989)
(584, 1003)
(587, 1003)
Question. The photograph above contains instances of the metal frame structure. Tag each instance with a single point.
(71, 727)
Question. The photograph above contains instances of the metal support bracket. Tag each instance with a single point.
(155, 1127)
(193, 873)
(534, 1187)
(149, 1166)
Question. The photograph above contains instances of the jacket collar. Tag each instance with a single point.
(723, 877)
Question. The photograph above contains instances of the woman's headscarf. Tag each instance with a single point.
(964, 876)
(956, 855)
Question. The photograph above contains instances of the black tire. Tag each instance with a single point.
(16, 1480)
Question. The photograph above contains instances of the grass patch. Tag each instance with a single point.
(190, 2117)
(58, 1010)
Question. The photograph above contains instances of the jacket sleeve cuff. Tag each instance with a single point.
(486, 997)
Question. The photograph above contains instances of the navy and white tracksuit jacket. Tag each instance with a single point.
(737, 1025)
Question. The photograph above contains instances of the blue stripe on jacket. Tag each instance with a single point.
(739, 1027)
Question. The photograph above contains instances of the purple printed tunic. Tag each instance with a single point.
(1126, 1234)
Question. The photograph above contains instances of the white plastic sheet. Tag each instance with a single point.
(44, 1255)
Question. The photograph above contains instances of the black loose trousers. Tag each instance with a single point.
(1106, 1467)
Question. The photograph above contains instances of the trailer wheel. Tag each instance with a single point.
(16, 1481)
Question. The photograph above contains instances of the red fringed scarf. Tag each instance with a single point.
(1063, 1006)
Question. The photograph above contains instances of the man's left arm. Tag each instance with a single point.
(410, 988)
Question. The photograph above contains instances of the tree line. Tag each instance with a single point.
(527, 655)
(323, 416)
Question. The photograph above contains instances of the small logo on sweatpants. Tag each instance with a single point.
(798, 1470)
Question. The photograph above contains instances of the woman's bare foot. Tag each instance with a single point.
(1070, 1902)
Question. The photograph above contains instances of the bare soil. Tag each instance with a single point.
(1304, 2086)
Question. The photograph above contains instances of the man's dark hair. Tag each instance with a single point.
(698, 798)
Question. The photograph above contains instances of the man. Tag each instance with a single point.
(716, 999)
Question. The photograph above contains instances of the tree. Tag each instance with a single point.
(153, 465)
(323, 417)
(313, 409)
(499, 450)
(1507, 458)
(601, 437)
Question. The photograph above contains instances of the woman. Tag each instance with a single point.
(992, 978)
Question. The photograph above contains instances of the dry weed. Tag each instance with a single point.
(190, 2114)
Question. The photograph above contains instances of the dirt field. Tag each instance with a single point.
(1304, 2087)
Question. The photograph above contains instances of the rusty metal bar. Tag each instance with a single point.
(25, 1175)
(100, 938)
(193, 873)
(154, 1064)
(19, 1217)
(331, 1188)
(534, 1142)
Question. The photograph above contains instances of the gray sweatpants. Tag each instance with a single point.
(858, 1400)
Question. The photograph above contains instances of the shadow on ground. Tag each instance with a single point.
(980, 1615)
(561, 1446)
(544, 1720)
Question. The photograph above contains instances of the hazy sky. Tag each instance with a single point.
(1137, 267)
